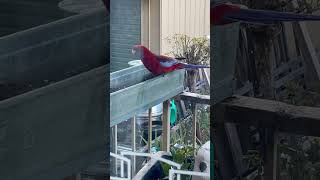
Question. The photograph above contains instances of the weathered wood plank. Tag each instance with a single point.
(247, 88)
(196, 98)
(291, 76)
(271, 156)
(166, 126)
(222, 152)
(235, 148)
(194, 126)
(307, 50)
(183, 108)
(293, 63)
(149, 130)
(206, 74)
(115, 148)
(267, 113)
(129, 101)
(133, 145)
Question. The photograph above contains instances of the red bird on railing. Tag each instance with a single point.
(159, 64)
(227, 13)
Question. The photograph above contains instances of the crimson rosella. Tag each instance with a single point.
(226, 13)
(159, 64)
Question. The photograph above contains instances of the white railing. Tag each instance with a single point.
(191, 173)
(117, 178)
(122, 159)
(130, 153)
(177, 171)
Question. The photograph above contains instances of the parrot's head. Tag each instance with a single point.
(138, 51)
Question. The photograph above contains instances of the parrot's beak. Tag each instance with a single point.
(133, 51)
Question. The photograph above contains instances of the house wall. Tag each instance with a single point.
(190, 17)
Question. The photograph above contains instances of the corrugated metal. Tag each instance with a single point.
(190, 17)
(125, 31)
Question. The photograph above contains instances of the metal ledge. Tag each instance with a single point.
(128, 77)
(126, 102)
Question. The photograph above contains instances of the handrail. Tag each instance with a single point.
(192, 173)
(130, 153)
(122, 158)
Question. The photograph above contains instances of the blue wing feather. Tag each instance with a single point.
(167, 61)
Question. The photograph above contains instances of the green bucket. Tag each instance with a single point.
(173, 112)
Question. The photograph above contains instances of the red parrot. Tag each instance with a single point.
(158, 64)
(226, 13)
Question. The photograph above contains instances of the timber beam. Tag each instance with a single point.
(270, 114)
(196, 98)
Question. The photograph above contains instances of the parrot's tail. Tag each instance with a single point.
(193, 66)
(269, 17)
